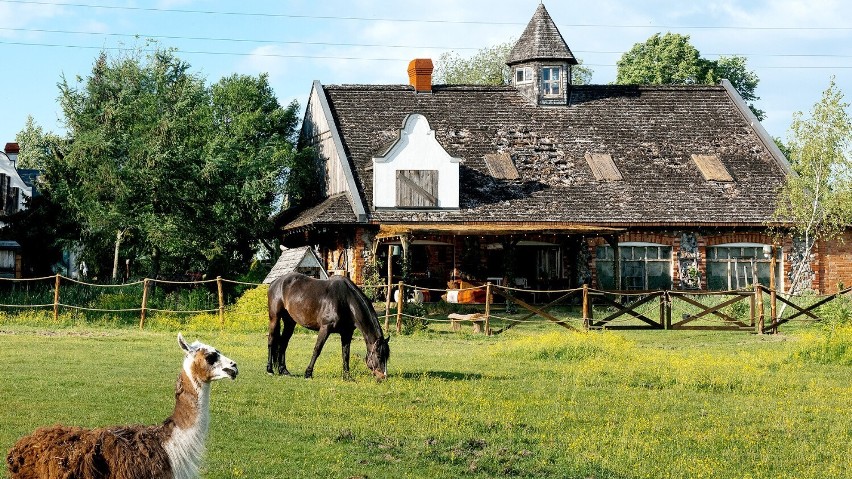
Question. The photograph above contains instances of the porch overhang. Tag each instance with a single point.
(390, 230)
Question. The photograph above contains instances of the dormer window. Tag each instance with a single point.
(523, 75)
(551, 81)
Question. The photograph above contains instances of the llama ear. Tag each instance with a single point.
(182, 343)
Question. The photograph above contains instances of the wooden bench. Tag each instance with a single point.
(477, 319)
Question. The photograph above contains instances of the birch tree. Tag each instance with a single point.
(816, 201)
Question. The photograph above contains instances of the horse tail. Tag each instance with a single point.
(366, 306)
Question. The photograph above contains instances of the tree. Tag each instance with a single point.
(175, 174)
(671, 59)
(816, 201)
(36, 146)
(251, 145)
(488, 67)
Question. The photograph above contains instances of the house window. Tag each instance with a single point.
(417, 188)
(643, 266)
(523, 75)
(551, 80)
(735, 266)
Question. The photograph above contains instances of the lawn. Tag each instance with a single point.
(536, 401)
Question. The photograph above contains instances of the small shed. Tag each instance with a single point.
(302, 260)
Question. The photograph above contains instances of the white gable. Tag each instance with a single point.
(416, 150)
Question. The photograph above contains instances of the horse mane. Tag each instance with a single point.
(364, 301)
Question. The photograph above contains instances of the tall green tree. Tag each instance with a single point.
(488, 67)
(164, 169)
(250, 147)
(817, 200)
(36, 145)
(671, 59)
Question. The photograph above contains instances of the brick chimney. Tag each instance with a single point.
(420, 74)
(12, 150)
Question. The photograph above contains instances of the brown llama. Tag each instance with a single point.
(171, 450)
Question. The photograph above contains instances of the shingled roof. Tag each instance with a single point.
(541, 40)
(650, 133)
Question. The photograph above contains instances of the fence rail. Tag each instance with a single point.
(744, 309)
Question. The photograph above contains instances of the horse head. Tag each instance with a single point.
(377, 357)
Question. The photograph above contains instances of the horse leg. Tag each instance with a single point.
(289, 326)
(321, 337)
(345, 342)
(273, 340)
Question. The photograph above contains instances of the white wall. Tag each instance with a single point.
(416, 149)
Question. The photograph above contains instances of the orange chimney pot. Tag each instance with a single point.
(420, 74)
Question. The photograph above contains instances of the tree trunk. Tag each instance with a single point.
(118, 235)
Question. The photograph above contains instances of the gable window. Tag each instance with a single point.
(643, 266)
(551, 80)
(523, 75)
(417, 188)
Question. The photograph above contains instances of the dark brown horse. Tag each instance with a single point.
(334, 305)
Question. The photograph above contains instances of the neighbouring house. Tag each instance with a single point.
(16, 190)
(546, 184)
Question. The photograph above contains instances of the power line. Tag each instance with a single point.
(407, 20)
(366, 45)
(334, 57)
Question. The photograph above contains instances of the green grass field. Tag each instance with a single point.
(537, 401)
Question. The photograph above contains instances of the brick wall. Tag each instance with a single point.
(834, 264)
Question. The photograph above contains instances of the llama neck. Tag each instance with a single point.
(189, 423)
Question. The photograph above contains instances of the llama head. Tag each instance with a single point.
(204, 363)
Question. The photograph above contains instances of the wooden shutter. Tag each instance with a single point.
(603, 167)
(417, 188)
(711, 168)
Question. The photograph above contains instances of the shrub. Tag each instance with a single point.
(833, 346)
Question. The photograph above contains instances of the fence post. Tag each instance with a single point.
(388, 295)
(760, 313)
(144, 303)
(399, 300)
(221, 301)
(663, 311)
(487, 308)
(585, 306)
(773, 309)
(56, 299)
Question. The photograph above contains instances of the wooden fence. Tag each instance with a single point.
(755, 309)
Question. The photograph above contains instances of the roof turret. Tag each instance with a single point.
(541, 40)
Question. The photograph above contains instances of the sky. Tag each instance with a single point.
(794, 47)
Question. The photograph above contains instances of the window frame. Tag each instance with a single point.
(526, 74)
(629, 258)
(548, 82)
(733, 279)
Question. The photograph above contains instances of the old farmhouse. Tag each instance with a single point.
(546, 184)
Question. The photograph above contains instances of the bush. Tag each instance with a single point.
(833, 346)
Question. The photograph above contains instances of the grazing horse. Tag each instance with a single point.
(334, 305)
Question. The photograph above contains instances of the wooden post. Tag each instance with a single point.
(663, 311)
(56, 299)
(221, 301)
(773, 304)
(388, 295)
(585, 306)
(487, 308)
(399, 300)
(752, 305)
(760, 313)
(144, 302)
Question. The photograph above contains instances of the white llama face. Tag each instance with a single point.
(206, 363)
